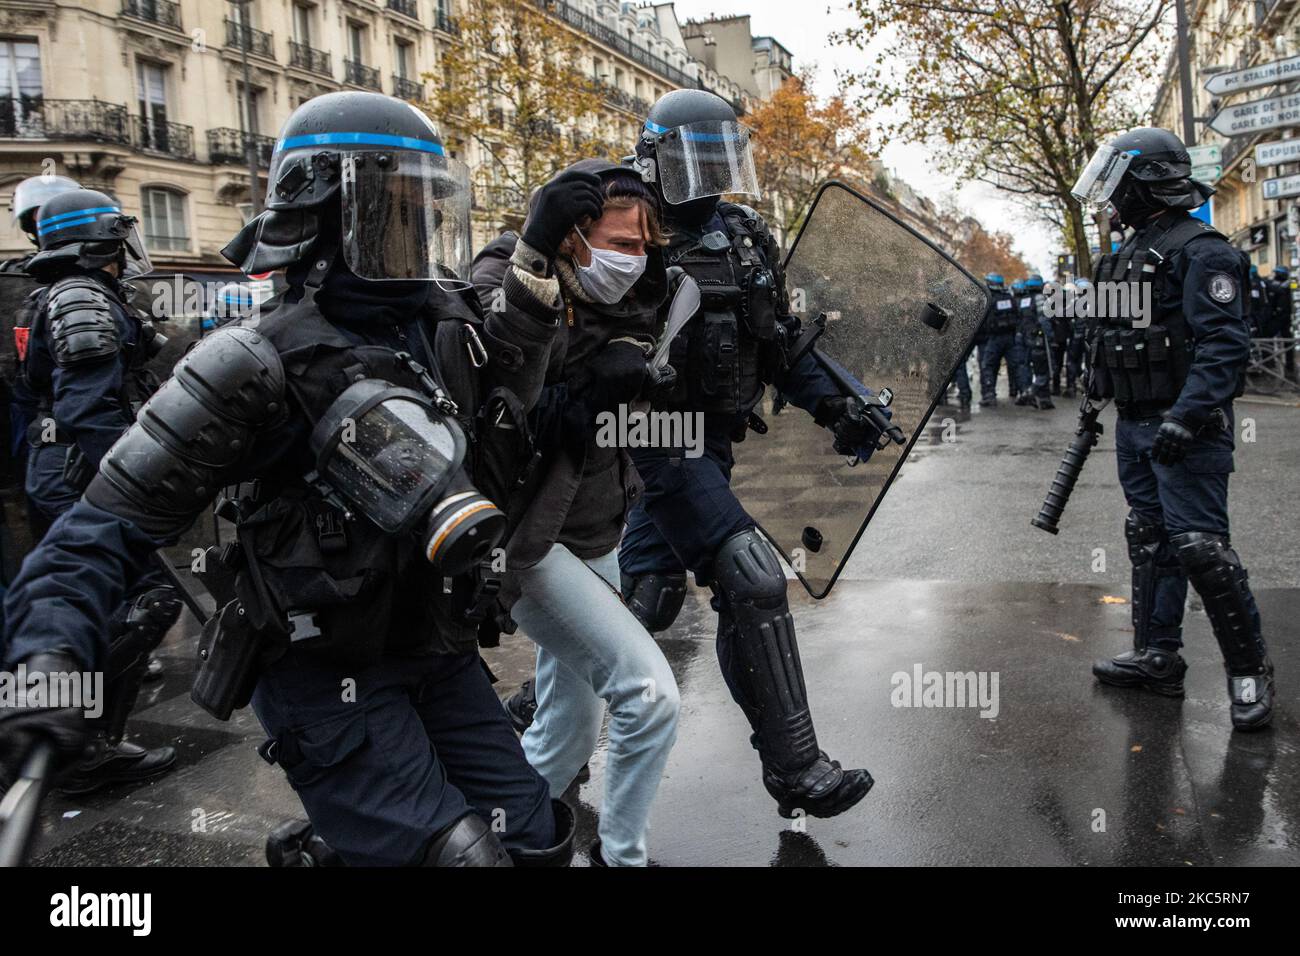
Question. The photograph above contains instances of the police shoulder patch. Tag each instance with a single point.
(1222, 288)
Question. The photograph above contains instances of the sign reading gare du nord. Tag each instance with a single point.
(1256, 115)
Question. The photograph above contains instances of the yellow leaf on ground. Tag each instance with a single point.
(1113, 599)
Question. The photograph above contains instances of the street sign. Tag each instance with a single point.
(1210, 155)
(1264, 74)
(1257, 115)
(1207, 174)
(1281, 187)
(1277, 152)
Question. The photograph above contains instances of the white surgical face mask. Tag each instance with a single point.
(611, 274)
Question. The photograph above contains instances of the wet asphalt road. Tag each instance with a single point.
(949, 578)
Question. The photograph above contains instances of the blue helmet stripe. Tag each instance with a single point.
(97, 211)
(84, 221)
(361, 139)
(694, 137)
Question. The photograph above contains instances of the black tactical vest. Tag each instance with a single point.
(725, 353)
(1003, 314)
(340, 588)
(1142, 368)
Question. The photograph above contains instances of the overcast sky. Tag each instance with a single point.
(803, 26)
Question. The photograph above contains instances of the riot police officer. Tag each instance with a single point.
(85, 366)
(1076, 345)
(17, 406)
(345, 422)
(1281, 314)
(1261, 301)
(693, 150)
(998, 332)
(1035, 337)
(1173, 375)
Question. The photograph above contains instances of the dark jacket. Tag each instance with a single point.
(580, 492)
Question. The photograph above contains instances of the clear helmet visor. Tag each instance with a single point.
(1097, 182)
(137, 257)
(406, 216)
(705, 159)
(390, 457)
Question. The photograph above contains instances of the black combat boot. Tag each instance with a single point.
(1044, 403)
(1159, 669)
(1025, 398)
(1154, 668)
(989, 402)
(295, 843)
(760, 660)
(1215, 571)
(521, 707)
(121, 762)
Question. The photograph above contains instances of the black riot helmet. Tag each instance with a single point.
(694, 149)
(86, 229)
(367, 175)
(33, 192)
(1141, 173)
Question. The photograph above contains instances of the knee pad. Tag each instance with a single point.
(561, 854)
(654, 599)
(1144, 536)
(748, 572)
(1215, 570)
(467, 842)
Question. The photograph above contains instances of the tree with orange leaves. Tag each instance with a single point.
(800, 140)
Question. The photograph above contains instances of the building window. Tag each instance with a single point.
(302, 23)
(151, 88)
(403, 59)
(166, 227)
(357, 42)
(248, 119)
(20, 84)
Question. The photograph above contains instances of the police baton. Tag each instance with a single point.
(22, 803)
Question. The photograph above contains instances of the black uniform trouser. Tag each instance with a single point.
(687, 512)
(1191, 495)
(386, 756)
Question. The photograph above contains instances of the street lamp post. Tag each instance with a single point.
(1185, 72)
(246, 117)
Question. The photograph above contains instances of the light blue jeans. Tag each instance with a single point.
(591, 651)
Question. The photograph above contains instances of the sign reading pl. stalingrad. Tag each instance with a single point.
(1277, 152)
(1265, 74)
(1281, 187)
(1256, 115)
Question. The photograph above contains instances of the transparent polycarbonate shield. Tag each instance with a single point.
(899, 315)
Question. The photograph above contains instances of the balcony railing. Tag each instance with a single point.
(622, 99)
(447, 24)
(359, 74)
(310, 59)
(611, 38)
(160, 136)
(39, 118)
(406, 89)
(228, 145)
(257, 42)
(407, 8)
(162, 12)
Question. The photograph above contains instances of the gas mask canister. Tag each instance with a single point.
(390, 454)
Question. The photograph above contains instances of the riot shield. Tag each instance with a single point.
(898, 315)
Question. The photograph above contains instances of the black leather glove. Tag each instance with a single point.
(22, 727)
(613, 376)
(1171, 442)
(560, 205)
(661, 384)
(852, 429)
